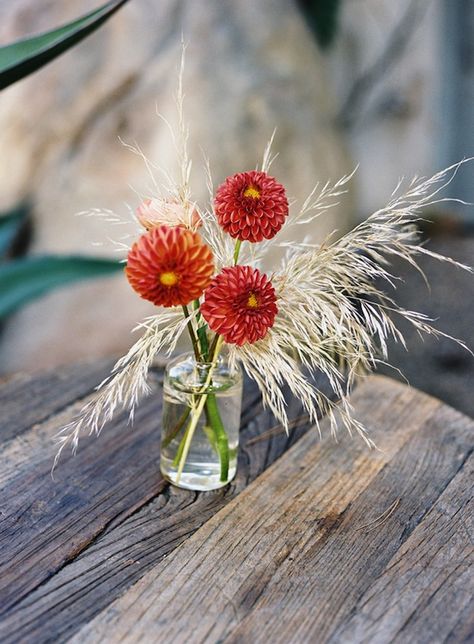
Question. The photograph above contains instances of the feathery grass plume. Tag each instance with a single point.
(322, 198)
(127, 382)
(221, 244)
(333, 316)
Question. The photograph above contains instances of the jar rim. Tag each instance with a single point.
(186, 363)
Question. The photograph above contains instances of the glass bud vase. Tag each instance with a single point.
(200, 423)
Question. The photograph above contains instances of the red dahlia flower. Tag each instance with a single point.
(251, 206)
(240, 304)
(169, 266)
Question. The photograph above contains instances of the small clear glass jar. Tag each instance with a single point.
(200, 423)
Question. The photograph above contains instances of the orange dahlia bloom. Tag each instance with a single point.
(170, 266)
(240, 304)
(251, 206)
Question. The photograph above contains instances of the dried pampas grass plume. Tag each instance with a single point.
(334, 316)
(127, 383)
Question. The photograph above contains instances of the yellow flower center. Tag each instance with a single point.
(168, 278)
(252, 192)
(252, 302)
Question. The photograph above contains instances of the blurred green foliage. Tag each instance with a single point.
(23, 279)
(322, 17)
(30, 277)
(10, 226)
(26, 56)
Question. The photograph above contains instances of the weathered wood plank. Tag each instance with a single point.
(120, 517)
(289, 560)
(109, 479)
(426, 592)
(46, 524)
(26, 400)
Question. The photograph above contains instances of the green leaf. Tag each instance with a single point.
(26, 56)
(25, 279)
(323, 18)
(9, 226)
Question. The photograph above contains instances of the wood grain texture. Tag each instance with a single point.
(292, 559)
(425, 593)
(68, 548)
(26, 400)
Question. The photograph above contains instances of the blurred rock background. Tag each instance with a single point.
(250, 67)
(388, 86)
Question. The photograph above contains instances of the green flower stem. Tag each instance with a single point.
(213, 422)
(192, 335)
(213, 345)
(185, 444)
(196, 413)
(184, 416)
(222, 442)
(177, 428)
(179, 452)
(216, 425)
(238, 244)
(201, 332)
(208, 402)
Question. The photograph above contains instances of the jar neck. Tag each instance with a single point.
(186, 374)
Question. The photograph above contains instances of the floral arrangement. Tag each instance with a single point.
(321, 311)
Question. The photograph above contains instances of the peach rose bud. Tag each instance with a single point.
(169, 212)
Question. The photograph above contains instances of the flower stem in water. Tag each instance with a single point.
(196, 413)
(177, 428)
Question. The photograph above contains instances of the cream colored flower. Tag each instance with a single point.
(169, 212)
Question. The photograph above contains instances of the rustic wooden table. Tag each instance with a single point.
(313, 542)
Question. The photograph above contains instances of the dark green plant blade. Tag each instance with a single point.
(322, 17)
(10, 224)
(26, 56)
(24, 279)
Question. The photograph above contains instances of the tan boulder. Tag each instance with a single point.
(250, 67)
